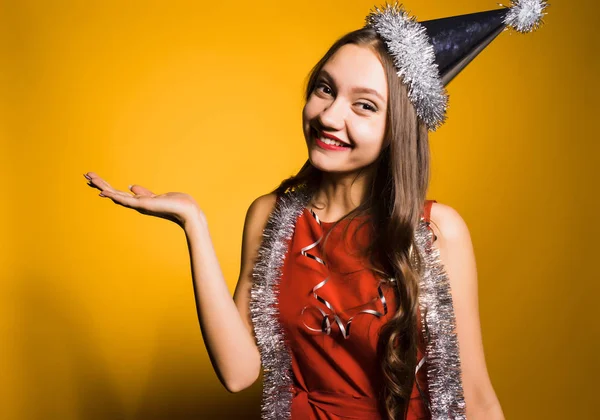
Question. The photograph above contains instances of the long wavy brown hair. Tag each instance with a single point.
(395, 200)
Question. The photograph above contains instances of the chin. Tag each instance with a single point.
(319, 163)
(324, 165)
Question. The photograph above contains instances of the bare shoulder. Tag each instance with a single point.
(453, 240)
(447, 223)
(256, 219)
(261, 208)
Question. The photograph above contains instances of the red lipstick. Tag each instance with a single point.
(326, 146)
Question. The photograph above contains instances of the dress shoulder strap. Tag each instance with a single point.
(427, 215)
(427, 210)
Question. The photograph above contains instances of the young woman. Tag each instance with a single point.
(346, 272)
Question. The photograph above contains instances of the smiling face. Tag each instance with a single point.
(348, 103)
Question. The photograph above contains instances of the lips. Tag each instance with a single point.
(317, 134)
(332, 137)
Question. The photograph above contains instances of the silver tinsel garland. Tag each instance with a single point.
(435, 303)
(275, 354)
(439, 329)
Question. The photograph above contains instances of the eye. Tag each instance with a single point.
(324, 88)
(367, 106)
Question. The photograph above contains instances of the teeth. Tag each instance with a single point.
(331, 141)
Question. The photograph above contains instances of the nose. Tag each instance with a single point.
(333, 115)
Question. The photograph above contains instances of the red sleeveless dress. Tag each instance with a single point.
(331, 312)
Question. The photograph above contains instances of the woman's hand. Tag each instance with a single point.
(174, 206)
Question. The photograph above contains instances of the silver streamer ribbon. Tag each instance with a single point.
(326, 323)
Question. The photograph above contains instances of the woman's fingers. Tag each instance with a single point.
(101, 184)
(122, 198)
(97, 181)
(105, 187)
(141, 191)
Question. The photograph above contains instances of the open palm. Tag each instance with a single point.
(174, 206)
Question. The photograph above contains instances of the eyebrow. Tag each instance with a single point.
(359, 89)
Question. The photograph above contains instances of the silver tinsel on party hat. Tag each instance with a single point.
(429, 54)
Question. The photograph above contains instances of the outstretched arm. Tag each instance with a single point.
(224, 322)
(458, 258)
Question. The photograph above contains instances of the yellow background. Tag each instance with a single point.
(97, 314)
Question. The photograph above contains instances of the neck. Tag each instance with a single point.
(340, 193)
